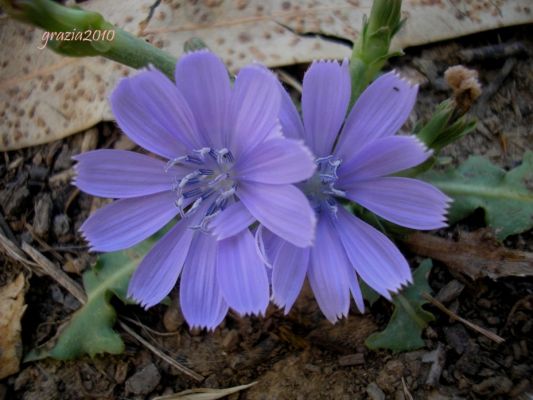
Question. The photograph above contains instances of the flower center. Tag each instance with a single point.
(320, 189)
(210, 180)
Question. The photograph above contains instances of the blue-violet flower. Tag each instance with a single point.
(354, 165)
(226, 166)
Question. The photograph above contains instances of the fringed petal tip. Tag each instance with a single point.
(197, 51)
(404, 79)
(336, 318)
(330, 61)
(208, 328)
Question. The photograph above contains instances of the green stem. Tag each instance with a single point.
(371, 50)
(124, 48)
(136, 53)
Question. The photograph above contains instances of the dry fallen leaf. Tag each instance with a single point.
(11, 309)
(204, 394)
(476, 255)
(44, 97)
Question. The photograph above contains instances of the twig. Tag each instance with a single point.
(55, 273)
(485, 332)
(494, 85)
(43, 244)
(288, 79)
(157, 333)
(14, 252)
(406, 392)
(7, 230)
(493, 51)
(194, 375)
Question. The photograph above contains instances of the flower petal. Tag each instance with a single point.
(204, 81)
(126, 222)
(355, 290)
(158, 272)
(277, 161)
(234, 219)
(152, 112)
(404, 201)
(288, 274)
(325, 98)
(380, 111)
(241, 275)
(283, 209)
(201, 301)
(122, 174)
(328, 272)
(289, 118)
(267, 246)
(375, 258)
(382, 157)
(254, 108)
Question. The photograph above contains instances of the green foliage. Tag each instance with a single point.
(90, 331)
(371, 50)
(409, 319)
(445, 126)
(506, 197)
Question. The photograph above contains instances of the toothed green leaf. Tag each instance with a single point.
(409, 319)
(506, 197)
(90, 331)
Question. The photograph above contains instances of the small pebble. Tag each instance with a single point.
(172, 318)
(450, 291)
(144, 381)
(61, 225)
(230, 340)
(312, 368)
(374, 392)
(43, 210)
(351, 359)
(63, 160)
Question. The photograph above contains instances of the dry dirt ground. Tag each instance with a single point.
(300, 356)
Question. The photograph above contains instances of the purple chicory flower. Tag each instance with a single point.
(357, 166)
(226, 166)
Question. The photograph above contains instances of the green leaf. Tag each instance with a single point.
(506, 197)
(368, 293)
(90, 331)
(409, 319)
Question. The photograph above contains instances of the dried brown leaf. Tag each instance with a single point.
(44, 97)
(11, 309)
(476, 255)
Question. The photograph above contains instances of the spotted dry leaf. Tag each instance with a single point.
(48, 97)
(45, 96)
(11, 309)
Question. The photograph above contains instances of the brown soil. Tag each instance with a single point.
(299, 356)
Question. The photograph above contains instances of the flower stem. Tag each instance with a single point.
(124, 48)
(371, 50)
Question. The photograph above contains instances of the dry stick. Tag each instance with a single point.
(55, 273)
(14, 252)
(485, 332)
(148, 329)
(163, 356)
(289, 79)
(4, 226)
(406, 392)
(43, 244)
